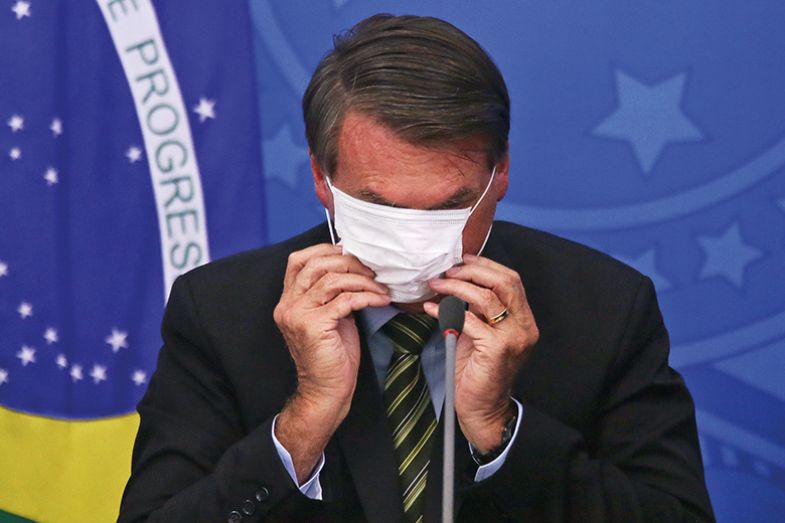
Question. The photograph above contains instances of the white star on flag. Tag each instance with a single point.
(15, 153)
(51, 176)
(3, 269)
(117, 340)
(21, 9)
(50, 335)
(26, 355)
(205, 109)
(139, 377)
(3, 376)
(16, 123)
(76, 373)
(56, 127)
(62, 362)
(25, 310)
(98, 373)
(134, 154)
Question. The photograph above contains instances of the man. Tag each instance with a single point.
(303, 382)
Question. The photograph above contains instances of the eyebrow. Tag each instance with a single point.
(458, 199)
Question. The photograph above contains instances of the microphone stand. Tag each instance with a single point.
(452, 312)
(448, 470)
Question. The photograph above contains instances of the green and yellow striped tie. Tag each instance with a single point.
(409, 408)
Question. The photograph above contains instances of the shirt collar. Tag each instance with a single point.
(373, 318)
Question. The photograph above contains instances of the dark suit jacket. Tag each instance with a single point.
(607, 434)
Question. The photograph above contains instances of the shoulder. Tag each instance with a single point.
(546, 254)
(572, 286)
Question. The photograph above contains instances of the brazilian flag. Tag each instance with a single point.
(129, 154)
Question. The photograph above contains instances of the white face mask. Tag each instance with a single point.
(404, 247)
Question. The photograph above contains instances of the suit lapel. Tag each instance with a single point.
(367, 447)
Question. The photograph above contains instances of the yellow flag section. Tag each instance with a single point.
(54, 470)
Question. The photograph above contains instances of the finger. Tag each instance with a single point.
(431, 309)
(482, 299)
(477, 331)
(486, 262)
(317, 267)
(476, 328)
(347, 302)
(505, 284)
(298, 259)
(332, 284)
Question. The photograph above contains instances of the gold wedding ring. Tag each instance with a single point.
(493, 320)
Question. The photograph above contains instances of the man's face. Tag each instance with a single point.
(376, 166)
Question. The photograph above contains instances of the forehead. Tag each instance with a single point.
(372, 159)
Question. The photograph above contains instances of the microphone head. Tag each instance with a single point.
(452, 312)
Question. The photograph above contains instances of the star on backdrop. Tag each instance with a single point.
(51, 176)
(727, 255)
(98, 373)
(61, 361)
(50, 335)
(117, 340)
(649, 118)
(3, 269)
(25, 310)
(3, 376)
(76, 373)
(21, 9)
(283, 157)
(134, 154)
(16, 123)
(26, 355)
(205, 109)
(139, 377)
(15, 153)
(56, 127)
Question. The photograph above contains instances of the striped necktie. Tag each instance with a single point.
(409, 408)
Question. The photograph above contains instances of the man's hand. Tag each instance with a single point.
(321, 289)
(488, 356)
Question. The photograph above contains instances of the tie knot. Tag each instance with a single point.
(409, 332)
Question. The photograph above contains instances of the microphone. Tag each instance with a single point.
(452, 313)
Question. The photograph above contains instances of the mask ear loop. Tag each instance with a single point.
(486, 239)
(327, 213)
(487, 187)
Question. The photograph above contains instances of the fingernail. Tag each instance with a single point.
(436, 283)
(452, 271)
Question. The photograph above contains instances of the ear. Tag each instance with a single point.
(502, 178)
(320, 184)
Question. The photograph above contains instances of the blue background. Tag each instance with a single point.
(653, 131)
